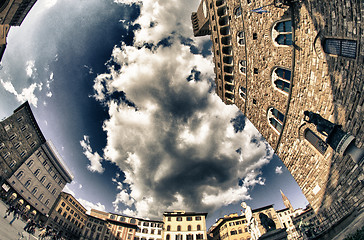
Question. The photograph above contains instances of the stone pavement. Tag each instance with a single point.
(12, 232)
(356, 223)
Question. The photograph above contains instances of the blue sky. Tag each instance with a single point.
(126, 94)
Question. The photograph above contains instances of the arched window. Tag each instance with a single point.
(315, 141)
(199, 236)
(179, 237)
(27, 183)
(145, 230)
(12, 164)
(340, 47)
(54, 191)
(42, 179)
(40, 197)
(282, 32)
(275, 119)
(49, 185)
(20, 175)
(189, 228)
(281, 79)
(237, 12)
(233, 232)
(240, 230)
(179, 228)
(242, 66)
(168, 237)
(35, 190)
(242, 92)
(30, 163)
(36, 173)
(198, 227)
(46, 202)
(132, 220)
(189, 237)
(168, 228)
(240, 38)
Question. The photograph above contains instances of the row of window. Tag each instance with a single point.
(179, 219)
(188, 237)
(30, 163)
(20, 175)
(151, 231)
(239, 231)
(189, 228)
(71, 211)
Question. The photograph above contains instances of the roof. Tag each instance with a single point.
(262, 208)
(183, 213)
(26, 106)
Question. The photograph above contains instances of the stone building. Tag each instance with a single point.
(37, 183)
(180, 225)
(20, 137)
(229, 227)
(95, 228)
(285, 217)
(12, 13)
(32, 172)
(274, 62)
(235, 226)
(67, 216)
(148, 230)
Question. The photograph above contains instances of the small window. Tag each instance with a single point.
(276, 119)
(189, 228)
(237, 12)
(22, 154)
(41, 197)
(42, 179)
(198, 227)
(340, 47)
(179, 228)
(2, 145)
(179, 219)
(283, 32)
(233, 232)
(168, 228)
(54, 191)
(35, 190)
(315, 141)
(6, 155)
(12, 164)
(27, 183)
(255, 36)
(20, 175)
(30, 163)
(32, 144)
(27, 137)
(39, 154)
(13, 136)
(46, 202)
(49, 186)
(23, 128)
(36, 173)
(281, 79)
(242, 92)
(189, 218)
(242, 66)
(19, 119)
(240, 37)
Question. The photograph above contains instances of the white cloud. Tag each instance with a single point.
(89, 205)
(173, 138)
(27, 94)
(68, 190)
(279, 170)
(30, 68)
(95, 159)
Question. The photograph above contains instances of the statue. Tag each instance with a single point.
(325, 127)
(267, 223)
(252, 222)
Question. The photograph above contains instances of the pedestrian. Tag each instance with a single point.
(15, 216)
(28, 224)
(9, 211)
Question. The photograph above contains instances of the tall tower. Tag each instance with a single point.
(286, 202)
(274, 62)
(13, 12)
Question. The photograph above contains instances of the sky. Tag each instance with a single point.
(126, 94)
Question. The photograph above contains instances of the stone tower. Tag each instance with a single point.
(286, 202)
(276, 61)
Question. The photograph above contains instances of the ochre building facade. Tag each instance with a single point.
(274, 62)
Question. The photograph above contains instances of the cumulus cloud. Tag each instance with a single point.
(30, 68)
(279, 170)
(177, 144)
(89, 205)
(27, 94)
(95, 159)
